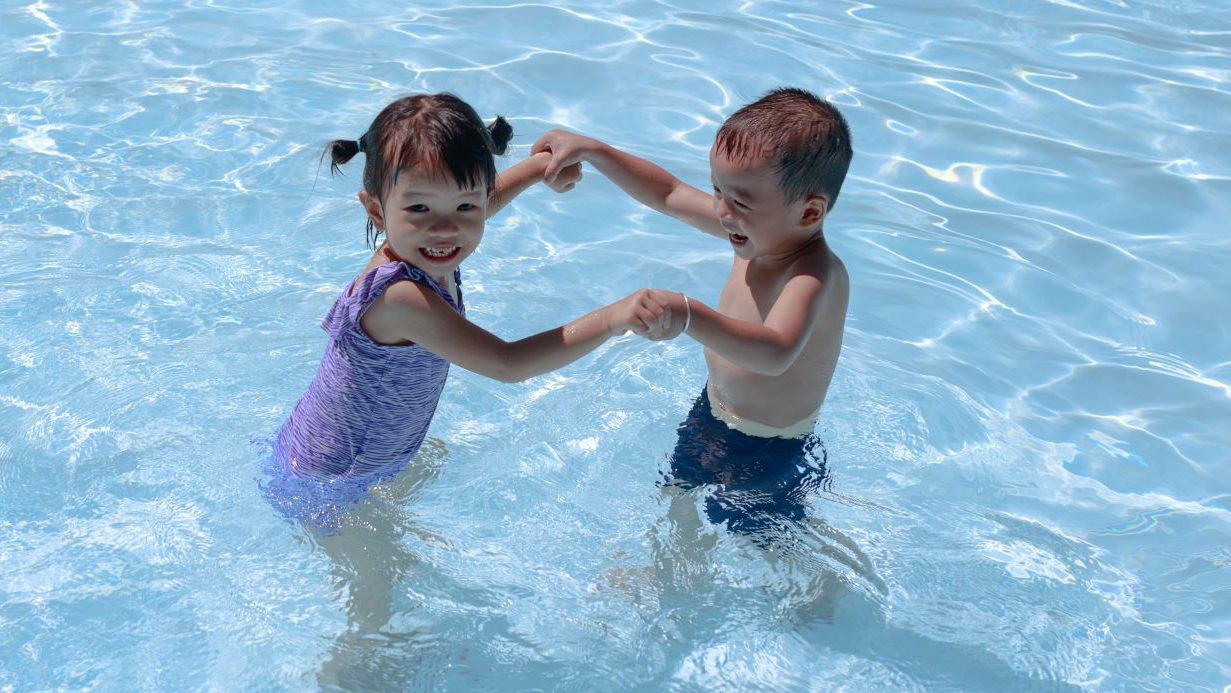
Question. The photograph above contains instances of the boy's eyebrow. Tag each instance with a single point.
(739, 192)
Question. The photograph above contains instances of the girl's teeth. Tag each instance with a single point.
(440, 252)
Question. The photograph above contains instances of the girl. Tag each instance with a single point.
(429, 183)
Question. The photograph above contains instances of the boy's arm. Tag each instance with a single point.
(648, 183)
(770, 348)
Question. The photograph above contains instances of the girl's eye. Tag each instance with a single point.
(417, 208)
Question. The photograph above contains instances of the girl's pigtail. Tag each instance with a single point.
(340, 152)
(501, 133)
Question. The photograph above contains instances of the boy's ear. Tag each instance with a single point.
(371, 205)
(814, 210)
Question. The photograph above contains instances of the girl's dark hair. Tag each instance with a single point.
(438, 132)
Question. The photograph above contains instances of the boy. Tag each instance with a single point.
(772, 345)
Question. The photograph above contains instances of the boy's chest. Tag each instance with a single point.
(748, 295)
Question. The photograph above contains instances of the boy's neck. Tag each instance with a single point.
(814, 242)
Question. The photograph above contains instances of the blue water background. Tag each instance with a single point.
(1028, 429)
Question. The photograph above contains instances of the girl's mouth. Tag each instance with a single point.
(737, 240)
(440, 253)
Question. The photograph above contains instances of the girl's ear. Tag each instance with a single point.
(371, 205)
(815, 207)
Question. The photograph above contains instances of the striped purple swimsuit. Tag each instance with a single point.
(365, 414)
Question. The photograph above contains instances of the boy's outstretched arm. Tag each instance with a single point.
(769, 348)
(649, 184)
(514, 180)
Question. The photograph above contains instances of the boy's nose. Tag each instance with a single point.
(724, 209)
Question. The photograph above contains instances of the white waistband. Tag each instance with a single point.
(754, 428)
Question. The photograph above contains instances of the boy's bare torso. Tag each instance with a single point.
(765, 404)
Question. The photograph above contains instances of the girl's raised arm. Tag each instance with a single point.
(514, 180)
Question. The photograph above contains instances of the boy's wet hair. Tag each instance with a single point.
(439, 133)
(803, 135)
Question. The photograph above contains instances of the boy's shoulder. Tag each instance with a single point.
(826, 272)
(820, 260)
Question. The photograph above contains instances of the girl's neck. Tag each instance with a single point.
(390, 254)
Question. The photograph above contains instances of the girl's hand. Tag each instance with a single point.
(641, 312)
(567, 150)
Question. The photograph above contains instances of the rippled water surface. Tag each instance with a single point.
(1027, 433)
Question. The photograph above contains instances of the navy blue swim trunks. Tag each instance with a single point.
(754, 484)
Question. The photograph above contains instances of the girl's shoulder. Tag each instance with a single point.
(391, 287)
(378, 277)
(404, 282)
(396, 299)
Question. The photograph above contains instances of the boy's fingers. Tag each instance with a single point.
(654, 313)
(650, 317)
(550, 173)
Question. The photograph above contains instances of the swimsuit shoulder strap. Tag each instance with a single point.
(344, 317)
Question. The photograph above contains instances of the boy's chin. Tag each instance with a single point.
(745, 251)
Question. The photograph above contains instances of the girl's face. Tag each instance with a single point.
(429, 220)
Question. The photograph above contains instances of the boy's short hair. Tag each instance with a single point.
(805, 136)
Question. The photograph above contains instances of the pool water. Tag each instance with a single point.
(1026, 434)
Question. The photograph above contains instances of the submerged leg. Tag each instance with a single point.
(369, 559)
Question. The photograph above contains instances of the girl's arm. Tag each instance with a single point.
(646, 182)
(514, 180)
(409, 312)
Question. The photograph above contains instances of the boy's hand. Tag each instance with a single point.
(676, 316)
(567, 150)
(640, 312)
(566, 179)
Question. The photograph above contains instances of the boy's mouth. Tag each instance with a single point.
(440, 253)
(737, 240)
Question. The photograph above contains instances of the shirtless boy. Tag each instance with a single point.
(772, 344)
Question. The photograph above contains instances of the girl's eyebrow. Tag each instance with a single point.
(429, 193)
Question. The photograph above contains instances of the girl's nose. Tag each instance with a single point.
(443, 224)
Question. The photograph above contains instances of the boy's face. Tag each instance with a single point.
(430, 220)
(751, 208)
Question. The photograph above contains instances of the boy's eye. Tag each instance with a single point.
(417, 208)
(466, 207)
(737, 203)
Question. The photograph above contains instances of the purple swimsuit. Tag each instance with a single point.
(366, 412)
